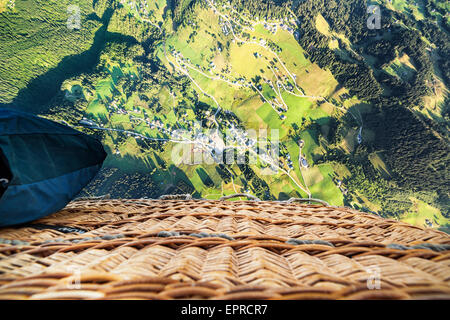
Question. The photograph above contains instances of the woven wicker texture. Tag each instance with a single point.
(175, 249)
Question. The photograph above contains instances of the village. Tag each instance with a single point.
(213, 132)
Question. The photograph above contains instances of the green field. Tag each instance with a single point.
(422, 211)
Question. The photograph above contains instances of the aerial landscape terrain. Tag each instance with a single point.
(343, 101)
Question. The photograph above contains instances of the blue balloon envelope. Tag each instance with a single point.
(43, 166)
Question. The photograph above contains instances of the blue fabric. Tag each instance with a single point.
(45, 163)
(25, 203)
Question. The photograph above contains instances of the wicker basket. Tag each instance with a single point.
(175, 249)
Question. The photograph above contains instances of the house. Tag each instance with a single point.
(304, 162)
